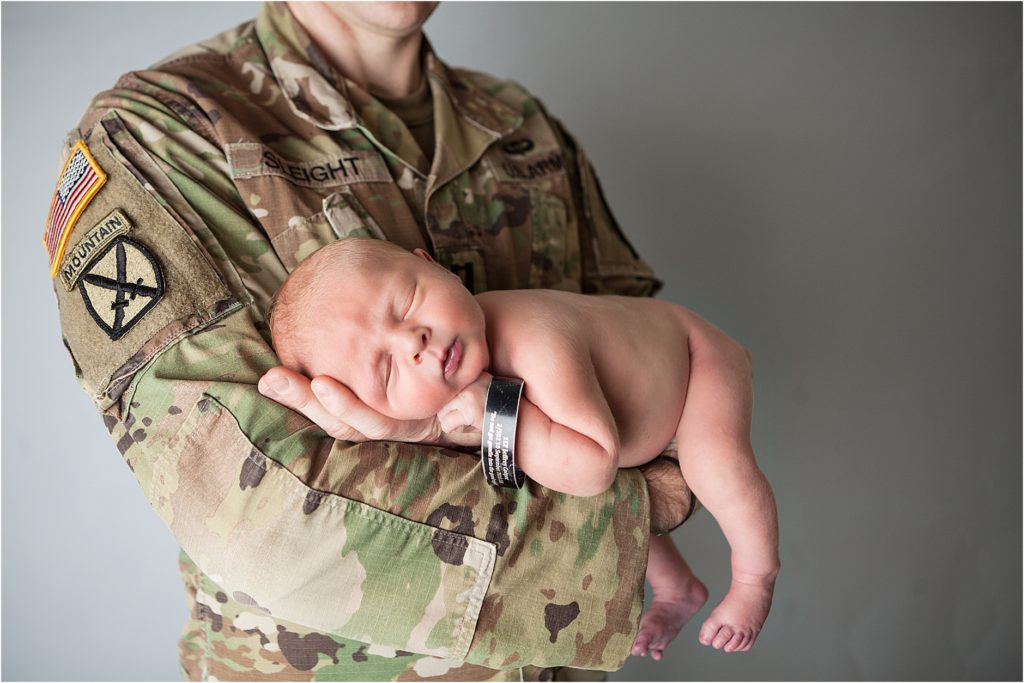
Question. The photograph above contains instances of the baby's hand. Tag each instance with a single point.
(465, 412)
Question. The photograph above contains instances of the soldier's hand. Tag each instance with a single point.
(340, 413)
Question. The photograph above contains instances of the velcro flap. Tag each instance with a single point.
(132, 279)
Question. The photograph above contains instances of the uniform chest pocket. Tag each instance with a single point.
(533, 201)
(342, 216)
(554, 258)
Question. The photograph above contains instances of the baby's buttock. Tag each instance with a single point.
(641, 354)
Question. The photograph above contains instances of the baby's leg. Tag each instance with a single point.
(718, 463)
(678, 595)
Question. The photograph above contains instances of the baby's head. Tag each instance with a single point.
(395, 327)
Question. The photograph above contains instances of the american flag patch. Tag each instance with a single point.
(79, 182)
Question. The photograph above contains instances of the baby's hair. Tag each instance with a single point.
(291, 314)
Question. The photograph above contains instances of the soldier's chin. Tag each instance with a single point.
(389, 18)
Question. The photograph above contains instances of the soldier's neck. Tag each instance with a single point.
(387, 65)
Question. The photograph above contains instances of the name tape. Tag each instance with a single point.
(249, 160)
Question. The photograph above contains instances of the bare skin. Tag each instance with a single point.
(678, 595)
(609, 382)
(377, 45)
(657, 371)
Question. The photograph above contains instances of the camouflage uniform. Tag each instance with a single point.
(304, 557)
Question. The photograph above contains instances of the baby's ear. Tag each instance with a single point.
(422, 253)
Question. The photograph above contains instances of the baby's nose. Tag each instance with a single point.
(417, 341)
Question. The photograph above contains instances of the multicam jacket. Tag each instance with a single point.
(189, 191)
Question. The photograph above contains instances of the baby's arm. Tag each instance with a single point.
(566, 438)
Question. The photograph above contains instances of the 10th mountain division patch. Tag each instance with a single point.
(120, 286)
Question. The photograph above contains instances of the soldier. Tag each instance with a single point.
(189, 191)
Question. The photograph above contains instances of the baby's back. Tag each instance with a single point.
(637, 348)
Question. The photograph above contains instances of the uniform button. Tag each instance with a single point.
(547, 674)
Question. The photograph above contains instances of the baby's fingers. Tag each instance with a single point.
(457, 413)
(450, 419)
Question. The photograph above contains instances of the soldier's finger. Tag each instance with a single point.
(292, 389)
(339, 401)
(276, 384)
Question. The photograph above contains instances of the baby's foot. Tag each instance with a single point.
(667, 614)
(734, 624)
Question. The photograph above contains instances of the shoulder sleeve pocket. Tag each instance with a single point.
(130, 279)
(312, 557)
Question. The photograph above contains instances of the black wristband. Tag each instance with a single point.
(498, 433)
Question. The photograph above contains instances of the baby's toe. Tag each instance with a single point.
(724, 636)
(708, 631)
(660, 642)
(735, 643)
(656, 655)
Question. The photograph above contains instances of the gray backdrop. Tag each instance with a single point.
(837, 186)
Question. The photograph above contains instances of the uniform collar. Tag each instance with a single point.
(320, 95)
(470, 100)
(315, 92)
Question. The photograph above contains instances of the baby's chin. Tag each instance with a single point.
(421, 414)
(421, 411)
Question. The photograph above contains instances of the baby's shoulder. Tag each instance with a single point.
(524, 326)
(533, 311)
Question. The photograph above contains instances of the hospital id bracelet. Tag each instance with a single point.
(498, 433)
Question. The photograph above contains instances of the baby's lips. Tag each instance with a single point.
(452, 356)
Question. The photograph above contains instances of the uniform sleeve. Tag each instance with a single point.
(610, 263)
(398, 545)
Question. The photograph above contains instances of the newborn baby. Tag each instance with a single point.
(609, 382)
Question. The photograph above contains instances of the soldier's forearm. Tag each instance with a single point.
(371, 539)
(672, 501)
